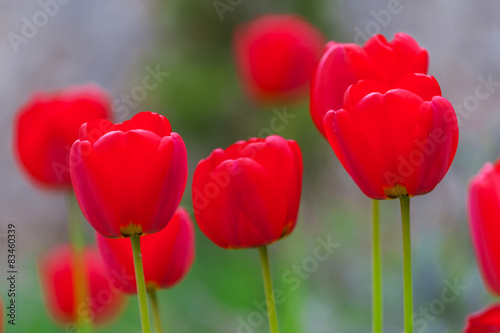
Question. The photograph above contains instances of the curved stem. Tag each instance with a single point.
(377, 304)
(141, 284)
(408, 290)
(156, 310)
(268, 286)
(80, 283)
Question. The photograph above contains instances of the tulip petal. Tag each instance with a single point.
(249, 218)
(395, 59)
(484, 214)
(148, 121)
(355, 152)
(484, 321)
(437, 143)
(95, 188)
(422, 85)
(283, 160)
(340, 66)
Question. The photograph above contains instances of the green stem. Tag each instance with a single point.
(156, 310)
(141, 284)
(268, 286)
(377, 314)
(408, 292)
(80, 283)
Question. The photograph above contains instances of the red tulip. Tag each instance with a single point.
(129, 178)
(248, 195)
(484, 214)
(56, 269)
(345, 64)
(485, 321)
(396, 142)
(276, 56)
(167, 255)
(48, 124)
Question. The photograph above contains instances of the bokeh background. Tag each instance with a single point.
(113, 43)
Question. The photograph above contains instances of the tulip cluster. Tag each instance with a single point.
(128, 180)
(384, 117)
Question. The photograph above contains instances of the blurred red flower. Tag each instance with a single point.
(484, 217)
(167, 255)
(57, 273)
(248, 194)
(129, 178)
(47, 125)
(484, 321)
(345, 64)
(276, 56)
(394, 142)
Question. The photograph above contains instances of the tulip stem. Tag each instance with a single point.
(156, 310)
(377, 304)
(141, 284)
(80, 283)
(268, 286)
(408, 290)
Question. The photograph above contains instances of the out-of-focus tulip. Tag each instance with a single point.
(484, 216)
(47, 125)
(345, 64)
(485, 321)
(167, 255)
(276, 56)
(129, 178)
(248, 194)
(397, 142)
(57, 273)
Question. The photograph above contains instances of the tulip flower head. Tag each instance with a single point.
(397, 142)
(484, 214)
(388, 63)
(167, 255)
(248, 194)
(129, 178)
(57, 275)
(47, 125)
(276, 56)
